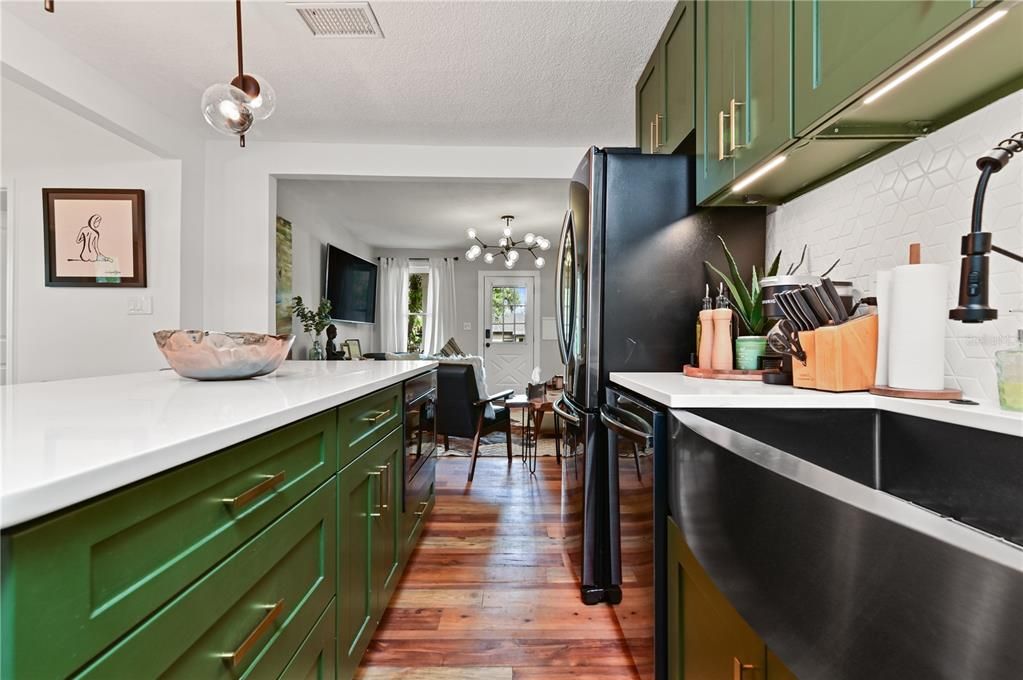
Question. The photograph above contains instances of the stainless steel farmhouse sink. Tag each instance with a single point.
(858, 544)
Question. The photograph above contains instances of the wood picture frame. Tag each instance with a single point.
(354, 348)
(95, 237)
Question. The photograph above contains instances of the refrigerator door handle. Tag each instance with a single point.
(645, 439)
(563, 342)
(558, 410)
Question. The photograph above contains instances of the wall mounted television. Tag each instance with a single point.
(350, 283)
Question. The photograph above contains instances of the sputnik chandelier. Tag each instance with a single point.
(232, 107)
(507, 247)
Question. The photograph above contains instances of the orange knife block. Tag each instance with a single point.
(838, 358)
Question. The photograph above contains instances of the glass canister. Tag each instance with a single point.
(1009, 363)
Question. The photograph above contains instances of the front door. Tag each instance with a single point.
(508, 323)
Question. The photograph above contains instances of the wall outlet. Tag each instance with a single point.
(140, 305)
(466, 326)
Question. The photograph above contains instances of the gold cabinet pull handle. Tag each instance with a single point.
(651, 136)
(657, 132)
(377, 474)
(246, 497)
(422, 504)
(235, 658)
(732, 118)
(738, 667)
(377, 416)
(721, 136)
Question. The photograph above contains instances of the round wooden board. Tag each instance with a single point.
(885, 391)
(734, 374)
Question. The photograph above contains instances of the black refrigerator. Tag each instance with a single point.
(630, 281)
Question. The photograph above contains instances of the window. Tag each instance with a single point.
(418, 282)
(508, 308)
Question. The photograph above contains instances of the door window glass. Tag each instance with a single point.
(508, 314)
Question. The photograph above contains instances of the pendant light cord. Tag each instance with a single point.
(238, 30)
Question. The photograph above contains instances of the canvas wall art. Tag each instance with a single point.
(95, 237)
(284, 260)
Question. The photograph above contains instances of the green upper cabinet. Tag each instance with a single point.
(678, 50)
(716, 40)
(649, 105)
(762, 102)
(841, 46)
(665, 106)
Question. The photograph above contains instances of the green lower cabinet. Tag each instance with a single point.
(316, 659)
(249, 615)
(370, 545)
(81, 580)
(706, 637)
(840, 46)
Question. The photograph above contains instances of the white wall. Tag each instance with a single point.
(312, 229)
(467, 298)
(923, 193)
(241, 198)
(75, 332)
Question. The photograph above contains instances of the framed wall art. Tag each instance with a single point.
(95, 237)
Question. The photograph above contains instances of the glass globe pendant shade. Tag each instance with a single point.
(502, 242)
(226, 109)
(540, 262)
(489, 258)
(513, 256)
(529, 238)
(261, 96)
(473, 252)
(470, 232)
(507, 231)
(508, 264)
(545, 244)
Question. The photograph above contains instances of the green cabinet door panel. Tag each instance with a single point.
(649, 104)
(716, 40)
(363, 422)
(419, 501)
(316, 658)
(840, 46)
(388, 542)
(81, 580)
(357, 499)
(248, 616)
(678, 47)
(763, 99)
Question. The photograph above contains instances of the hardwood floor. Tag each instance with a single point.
(487, 595)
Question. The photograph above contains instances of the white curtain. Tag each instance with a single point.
(393, 304)
(440, 309)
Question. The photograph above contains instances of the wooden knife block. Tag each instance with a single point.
(839, 358)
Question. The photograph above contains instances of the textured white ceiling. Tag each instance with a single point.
(467, 73)
(407, 213)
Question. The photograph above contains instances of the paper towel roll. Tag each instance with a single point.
(916, 327)
(883, 293)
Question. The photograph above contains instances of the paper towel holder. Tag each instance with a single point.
(976, 245)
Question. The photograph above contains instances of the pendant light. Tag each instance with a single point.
(231, 108)
(507, 247)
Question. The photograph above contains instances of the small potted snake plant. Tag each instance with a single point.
(748, 305)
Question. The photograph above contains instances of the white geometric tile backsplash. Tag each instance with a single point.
(923, 192)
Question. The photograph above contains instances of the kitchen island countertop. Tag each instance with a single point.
(67, 441)
(676, 390)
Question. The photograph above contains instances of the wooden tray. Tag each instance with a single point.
(885, 391)
(734, 374)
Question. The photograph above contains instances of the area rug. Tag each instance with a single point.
(493, 444)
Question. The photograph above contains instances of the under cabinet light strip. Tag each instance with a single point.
(934, 56)
(753, 177)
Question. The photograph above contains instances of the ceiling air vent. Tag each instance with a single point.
(340, 19)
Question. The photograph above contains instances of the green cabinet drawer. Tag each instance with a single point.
(78, 582)
(364, 422)
(249, 615)
(841, 46)
(316, 658)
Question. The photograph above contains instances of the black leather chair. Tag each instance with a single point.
(461, 410)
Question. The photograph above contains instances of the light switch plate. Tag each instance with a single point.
(140, 305)
(467, 326)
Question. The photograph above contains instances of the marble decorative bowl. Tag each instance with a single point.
(212, 355)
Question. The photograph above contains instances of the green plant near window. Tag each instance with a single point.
(416, 290)
(747, 302)
(313, 323)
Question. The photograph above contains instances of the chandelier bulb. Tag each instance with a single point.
(489, 258)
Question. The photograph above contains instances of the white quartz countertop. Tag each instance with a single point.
(66, 441)
(675, 390)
